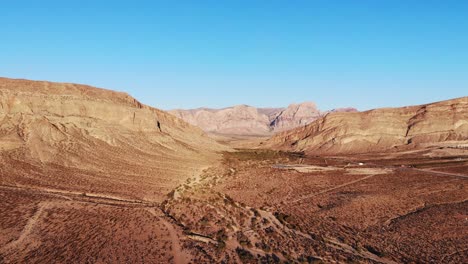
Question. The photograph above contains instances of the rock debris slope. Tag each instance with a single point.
(380, 129)
(90, 140)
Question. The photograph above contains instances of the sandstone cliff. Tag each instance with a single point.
(85, 139)
(379, 129)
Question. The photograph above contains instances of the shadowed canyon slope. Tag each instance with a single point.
(89, 140)
(247, 120)
(380, 129)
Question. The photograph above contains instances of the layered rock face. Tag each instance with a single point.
(247, 120)
(85, 139)
(380, 129)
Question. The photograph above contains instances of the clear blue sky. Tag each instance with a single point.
(186, 54)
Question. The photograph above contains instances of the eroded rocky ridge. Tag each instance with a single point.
(91, 140)
(379, 129)
(248, 120)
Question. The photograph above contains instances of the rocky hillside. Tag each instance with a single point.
(90, 140)
(380, 129)
(247, 120)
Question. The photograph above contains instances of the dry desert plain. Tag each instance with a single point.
(92, 176)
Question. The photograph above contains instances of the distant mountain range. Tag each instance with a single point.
(248, 120)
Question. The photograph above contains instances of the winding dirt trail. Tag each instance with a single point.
(83, 197)
(332, 189)
(27, 228)
(331, 242)
(433, 172)
(179, 256)
(364, 254)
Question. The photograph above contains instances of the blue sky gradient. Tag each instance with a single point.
(187, 54)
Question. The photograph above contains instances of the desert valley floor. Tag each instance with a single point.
(89, 175)
(234, 132)
(256, 206)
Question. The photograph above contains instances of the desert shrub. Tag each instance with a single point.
(243, 240)
(310, 260)
(221, 246)
(269, 230)
(283, 218)
(244, 255)
(221, 235)
(204, 221)
(256, 213)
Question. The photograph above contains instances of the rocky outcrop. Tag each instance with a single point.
(380, 129)
(295, 115)
(67, 134)
(246, 120)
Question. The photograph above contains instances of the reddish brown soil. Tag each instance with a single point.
(50, 228)
(408, 214)
(390, 209)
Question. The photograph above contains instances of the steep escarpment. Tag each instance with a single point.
(246, 120)
(91, 140)
(380, 129)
